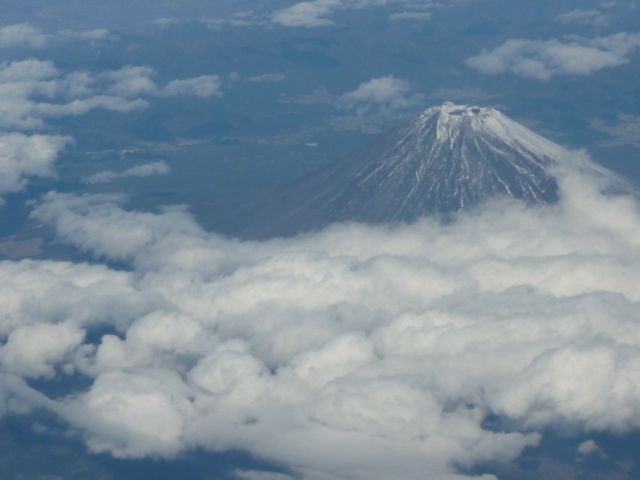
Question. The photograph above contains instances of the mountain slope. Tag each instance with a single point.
(447, 159)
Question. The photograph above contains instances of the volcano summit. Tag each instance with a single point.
(451, 157)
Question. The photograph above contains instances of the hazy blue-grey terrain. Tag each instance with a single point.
(320, 240)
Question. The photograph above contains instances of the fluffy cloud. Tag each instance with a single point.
(31, 350)
(375, 104)
(388, 91)
(135, 414)
(143, 170)
(23, 156)
(81, 295)
(542, 60)
(588, 447)
(33, 90)
(131, 81)
(394, 344)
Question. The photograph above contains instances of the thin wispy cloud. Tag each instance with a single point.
(24, 35)
(589, 17)
(309, 14)
(625, 131)
(318, 13)
(139, 171)
(267, 78)
(410, 15)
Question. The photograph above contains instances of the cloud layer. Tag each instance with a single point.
(395, 345)
(544, 59)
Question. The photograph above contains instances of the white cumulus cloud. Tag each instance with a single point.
(544, 59)
(131, 81)
(23, 156)
(389, 90)
(375, 104)
(588, 447)
(32, 91)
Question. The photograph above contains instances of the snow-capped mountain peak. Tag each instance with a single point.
(448, 158)
(455, 120)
